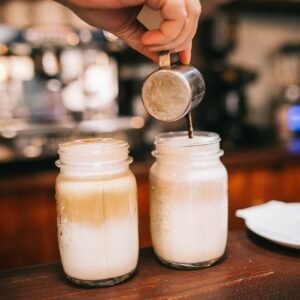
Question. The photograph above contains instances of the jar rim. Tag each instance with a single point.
(93, 152)
(181, 139)
(93, 144)
(203, 144)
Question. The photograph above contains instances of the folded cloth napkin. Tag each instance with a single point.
(275, 220)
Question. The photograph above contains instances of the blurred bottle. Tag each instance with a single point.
(286, 102)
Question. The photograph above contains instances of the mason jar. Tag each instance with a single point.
(97, 212)
(188, 200)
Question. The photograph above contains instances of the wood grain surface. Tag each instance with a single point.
(252, 268)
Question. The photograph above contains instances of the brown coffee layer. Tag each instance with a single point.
(95, 200)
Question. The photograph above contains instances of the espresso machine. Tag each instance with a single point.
(58, 84)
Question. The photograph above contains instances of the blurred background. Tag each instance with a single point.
(61, 79)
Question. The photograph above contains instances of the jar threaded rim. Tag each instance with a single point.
(202, 144)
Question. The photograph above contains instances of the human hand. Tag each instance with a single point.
(176, 32)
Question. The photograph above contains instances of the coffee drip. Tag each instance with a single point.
(190, 125)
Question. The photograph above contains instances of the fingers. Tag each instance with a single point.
(185, 55)
(121, 22)
(186, 35)
(179, 25)
(178, 38)
(173, 13)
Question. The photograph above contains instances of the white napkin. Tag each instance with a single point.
(274, 220)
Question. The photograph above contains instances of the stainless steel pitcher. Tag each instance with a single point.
(173, 90)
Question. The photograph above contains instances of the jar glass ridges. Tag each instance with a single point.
(188, 200)
(97, 212)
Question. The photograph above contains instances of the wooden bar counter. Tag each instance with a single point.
(252, 268)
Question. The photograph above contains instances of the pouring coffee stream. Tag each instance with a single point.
(190, 125)
(171, 92)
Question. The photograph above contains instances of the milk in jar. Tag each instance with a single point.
(97, 212)
(188, 200)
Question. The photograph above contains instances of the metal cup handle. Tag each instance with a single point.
(167, 59)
